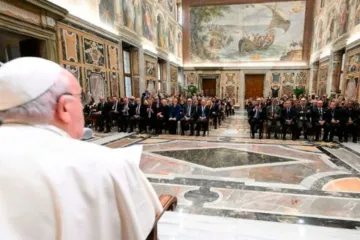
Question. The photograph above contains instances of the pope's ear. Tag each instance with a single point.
(62, 109)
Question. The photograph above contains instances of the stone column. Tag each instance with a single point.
(336, 71)
(315, 77)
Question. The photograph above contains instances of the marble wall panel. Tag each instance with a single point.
(70, 46)
(94, 52)
(135, 62)
(322, 78)
(136, 86)
(113, 57)
(151, 72)
(96, 83)
(174, 86)
(94, 61)
(114, 84)
(229, 84)
(76, 71)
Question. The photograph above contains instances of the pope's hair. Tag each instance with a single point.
(40, 110)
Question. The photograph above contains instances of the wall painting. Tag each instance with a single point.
(248, 32)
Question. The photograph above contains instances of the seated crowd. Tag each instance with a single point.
(307, 115)
(155, 114)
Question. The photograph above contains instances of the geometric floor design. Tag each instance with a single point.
(229, 175)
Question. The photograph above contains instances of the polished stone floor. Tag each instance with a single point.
(231, 176)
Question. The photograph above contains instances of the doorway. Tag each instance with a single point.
(209, 87)
(254, 85)
(13, 45)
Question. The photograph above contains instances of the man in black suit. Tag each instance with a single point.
(351, 120)
(115, 112)
(124, 115)
(99, 116)
(106, 114)
(138, 115)
(318, 119)
(151, 115)
(273, 115)
(303, 116)
(214, 112)
(203, 118)
(162, 117)
(332, 118)
(256, 115)
(288, 120)
(188, 117)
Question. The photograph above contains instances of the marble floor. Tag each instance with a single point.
(297, 189)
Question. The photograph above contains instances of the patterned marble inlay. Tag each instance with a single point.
(288, 204)
(221, 157)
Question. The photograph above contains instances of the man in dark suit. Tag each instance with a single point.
(196, 105)
(138, 115)
(188, 117)
(303, 116)
(351, 120)
(256, 115)
(288, 120)
(124, 115)
(203, 118)
(174, 116)
(106, 114)
(162, 116)
(115, 112)
(99, 116)
(332, 118)
(214, 112)
(150, 115)
(273, 115)
(318, 119)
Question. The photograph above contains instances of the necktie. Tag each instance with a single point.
(149, 114)
(138, 110)
(189, 111)
(203, 114)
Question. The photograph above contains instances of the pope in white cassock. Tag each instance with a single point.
(53, 186)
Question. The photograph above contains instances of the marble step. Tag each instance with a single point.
(181, 226)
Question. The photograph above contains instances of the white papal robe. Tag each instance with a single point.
(55, 187)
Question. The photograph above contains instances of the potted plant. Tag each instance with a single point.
(299, 91)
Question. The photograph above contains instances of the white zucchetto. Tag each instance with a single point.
(25, 79)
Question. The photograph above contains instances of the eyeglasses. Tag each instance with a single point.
(80, 95)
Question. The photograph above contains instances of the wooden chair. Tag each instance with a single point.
(91, 119)
(168, 203)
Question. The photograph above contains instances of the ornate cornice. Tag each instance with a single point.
(56, 11)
